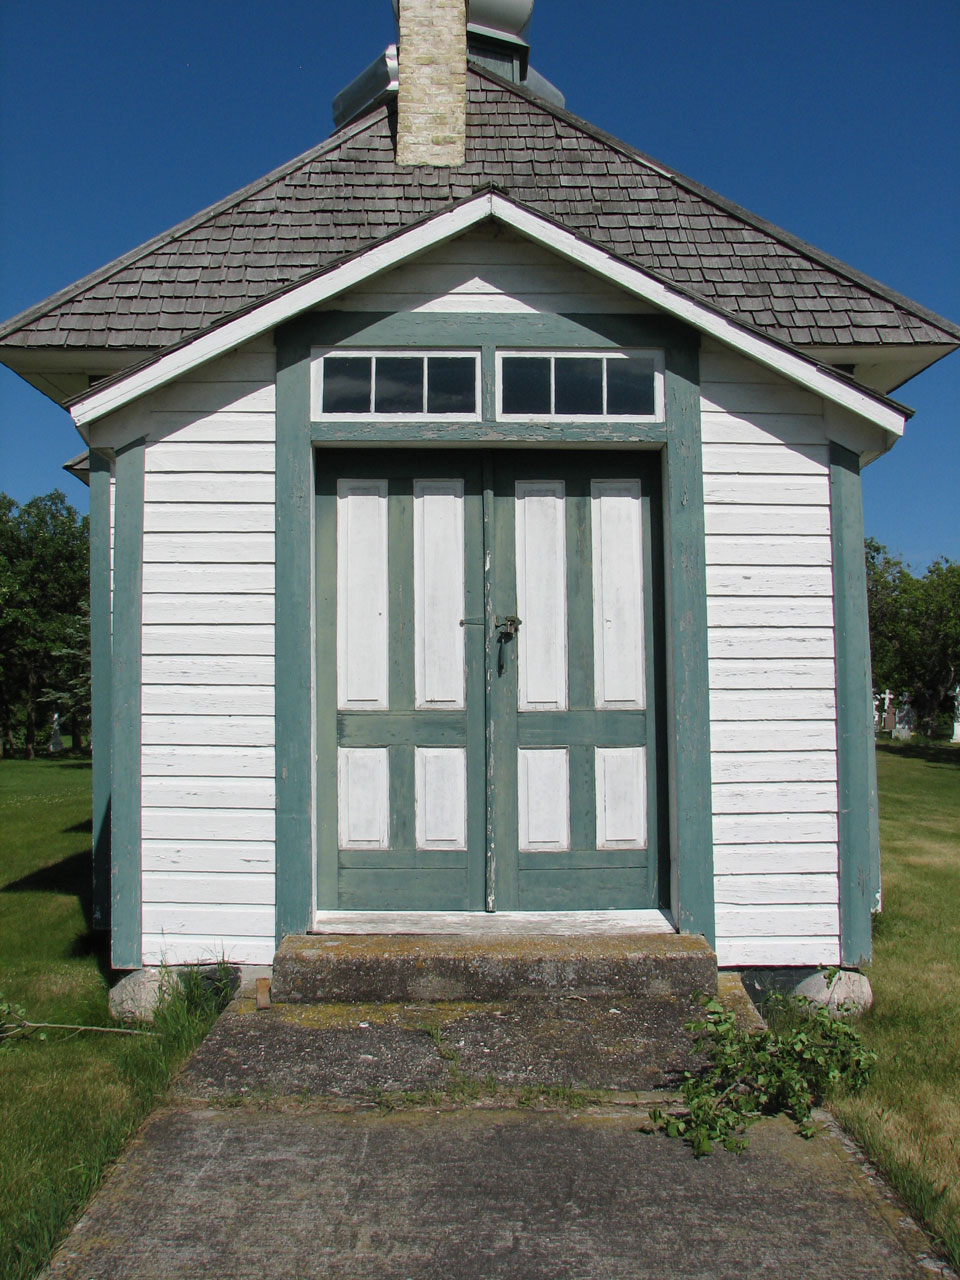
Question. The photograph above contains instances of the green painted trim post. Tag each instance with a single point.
(126, 888)
(859, 823)
(294, 643)
(101, 677)
(688, 736)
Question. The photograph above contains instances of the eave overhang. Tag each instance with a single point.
(114, 393)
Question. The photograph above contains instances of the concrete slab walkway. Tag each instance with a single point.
(282, 1154)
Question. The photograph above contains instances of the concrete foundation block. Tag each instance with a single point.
(136, 996)
(844, 991)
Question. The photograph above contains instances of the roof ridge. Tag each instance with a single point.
(180, 229)
(787, 238)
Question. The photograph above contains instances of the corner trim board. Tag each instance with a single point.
(859, 826)
(126, 887)
(100, 685)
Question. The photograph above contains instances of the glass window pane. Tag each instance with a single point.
(346, 384)
(526, 384)
(451, 384)
(579, 386)
(399, 384)
(630, 386)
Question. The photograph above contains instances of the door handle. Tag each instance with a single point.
(506, 629)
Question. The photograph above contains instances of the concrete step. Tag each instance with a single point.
(328, 967)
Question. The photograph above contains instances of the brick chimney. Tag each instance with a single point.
(432, 102)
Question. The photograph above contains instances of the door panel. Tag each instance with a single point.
(481, 761)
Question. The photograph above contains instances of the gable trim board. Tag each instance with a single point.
(114, 393)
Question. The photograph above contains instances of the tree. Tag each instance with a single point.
(44, 556)
(914, 631)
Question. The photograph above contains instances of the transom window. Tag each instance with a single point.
(621, 384)
(391, 385)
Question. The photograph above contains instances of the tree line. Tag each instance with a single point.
(915, 635)
(44, 622)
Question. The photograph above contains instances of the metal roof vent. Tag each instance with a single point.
(495, 39)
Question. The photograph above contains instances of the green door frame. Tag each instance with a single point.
(677, 438)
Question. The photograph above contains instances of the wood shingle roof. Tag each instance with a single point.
(348, 193)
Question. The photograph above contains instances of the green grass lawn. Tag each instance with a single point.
(66, 1105)
(909, 1117)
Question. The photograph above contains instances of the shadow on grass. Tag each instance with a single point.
(939, 753)
(72, 875)
(80, 828)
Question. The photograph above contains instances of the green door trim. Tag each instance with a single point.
(688, 739)
(859, 823)
(101, 679)
(126, 893)
(684, 738)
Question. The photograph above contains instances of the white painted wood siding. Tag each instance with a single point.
(207, 754)
(771, 662)
(489, 270)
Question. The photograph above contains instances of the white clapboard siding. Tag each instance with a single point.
(229, 428)
(764, 642)
(192, 887)
(481, 272)
(774, 797)
(771, 663)
(775, 859)
(768, 550)
(235, 763)
(197, 608)
(205, 948)
(208, 824)
(773, 766)
(210, 857)
(212, 548)
(229, 579)
(233, 488)
(240, 395)
(740, 953)
(757, 890)
(209, 793)
(784, 919)
(774, 673)
(207, 731)
(207, 699)
(749, 459)
(756, 490)
(242, 920)
(774, 828)
(762, 429)
(212, 640)
(772, 704)
(769, 580)
(182, 518)
(757, 397)
(773, 735)
(219, 669)
(187, 458)
(769, 519)
(207, 728)
(749, 611)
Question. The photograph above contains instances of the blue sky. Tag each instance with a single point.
(838, 121)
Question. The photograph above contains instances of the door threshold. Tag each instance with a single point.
(488, 923)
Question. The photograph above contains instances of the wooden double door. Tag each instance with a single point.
(487, 657)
